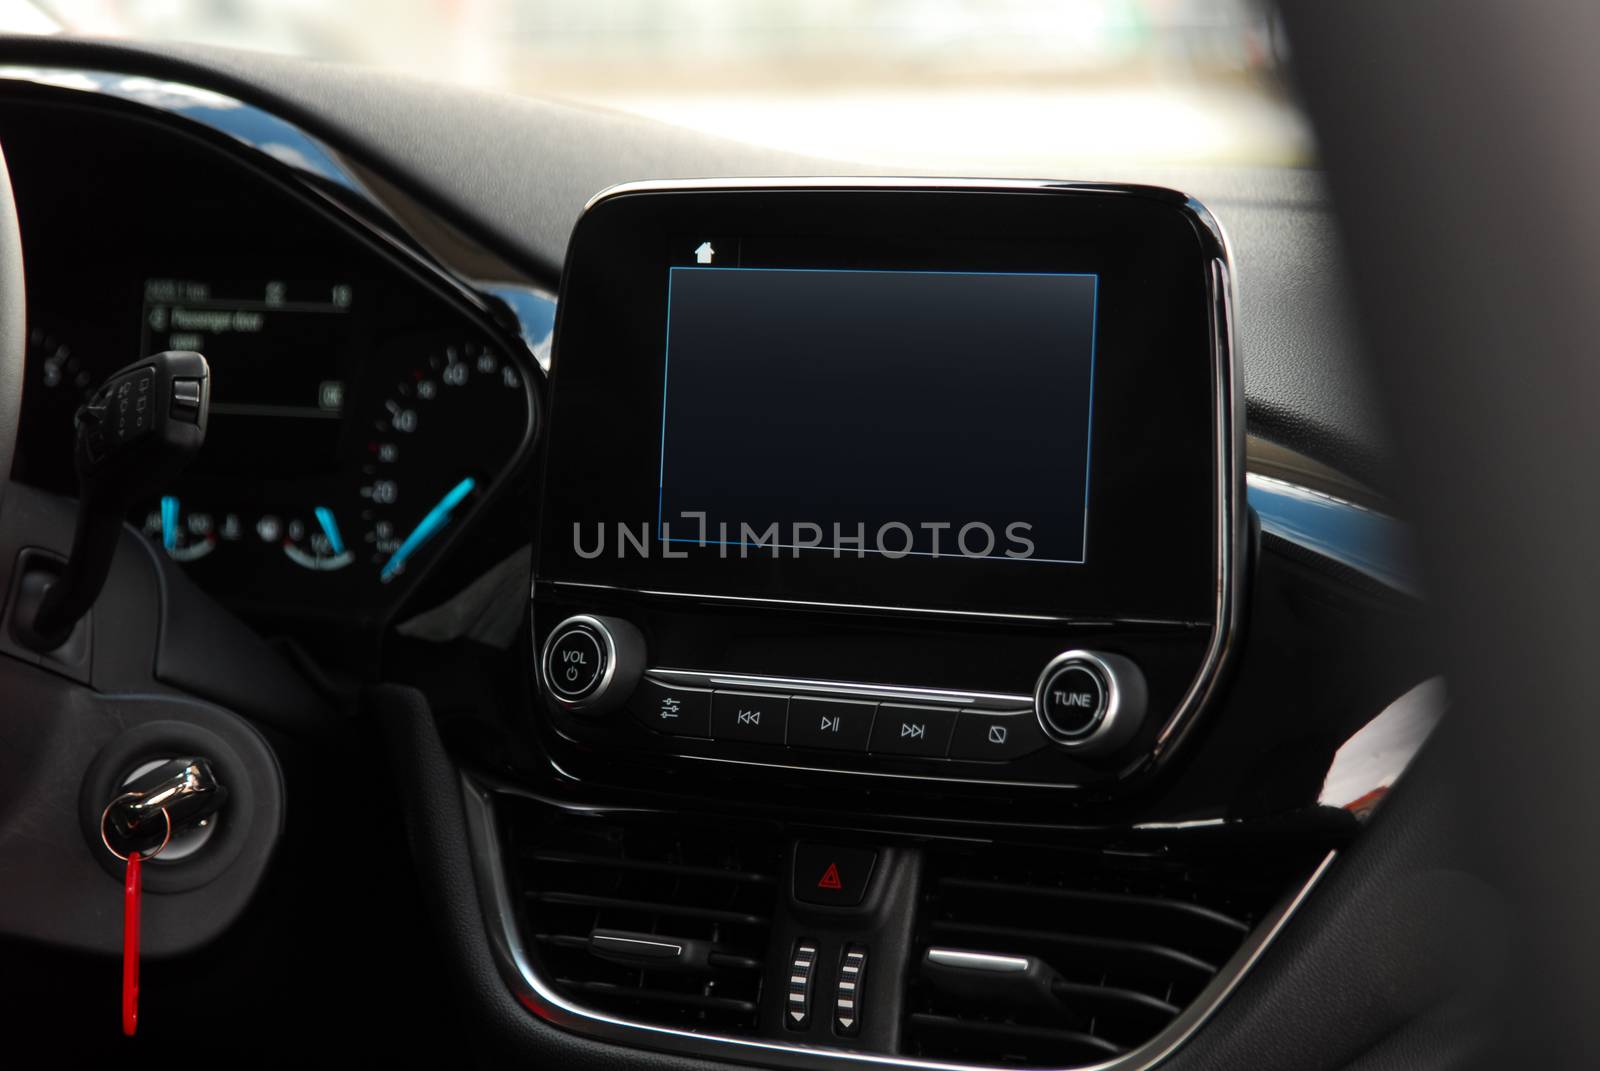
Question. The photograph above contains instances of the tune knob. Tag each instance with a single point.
(591, 664)
(1090, 702)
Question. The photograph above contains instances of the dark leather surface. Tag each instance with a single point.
(516, 172)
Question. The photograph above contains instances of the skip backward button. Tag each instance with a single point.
(750, 716)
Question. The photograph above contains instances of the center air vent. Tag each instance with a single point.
(658, 921)
(1050, 959)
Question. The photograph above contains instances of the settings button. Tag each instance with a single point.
(669, 709)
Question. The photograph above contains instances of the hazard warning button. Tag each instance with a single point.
(832, 875)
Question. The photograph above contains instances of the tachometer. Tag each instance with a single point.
(441, 433)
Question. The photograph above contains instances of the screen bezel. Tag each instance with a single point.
(611, 263)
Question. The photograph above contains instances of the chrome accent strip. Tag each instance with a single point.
(540, 998)
(978, 961)
(692, 678)
(1370, 542)
(1193, 823)
(601, 938)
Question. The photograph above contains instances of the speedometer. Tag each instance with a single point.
(441, 432)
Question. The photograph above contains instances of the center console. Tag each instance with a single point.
(901, 480)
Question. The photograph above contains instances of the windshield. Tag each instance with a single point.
(1024, 87)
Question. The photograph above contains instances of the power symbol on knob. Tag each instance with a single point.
(575, 662)
(591, 664)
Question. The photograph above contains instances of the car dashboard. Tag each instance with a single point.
(760, 729)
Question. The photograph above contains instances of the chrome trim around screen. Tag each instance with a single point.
(540, 998)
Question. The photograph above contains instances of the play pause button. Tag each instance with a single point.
(835, 724)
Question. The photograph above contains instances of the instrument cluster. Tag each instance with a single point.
(361, 406)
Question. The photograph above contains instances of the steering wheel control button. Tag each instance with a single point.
(1073, 700)
(575, 663)
(835, 724)
(832, 876)
(186, 400)
(670, 709)
(908, 730)
(749, 716)
(992, 736)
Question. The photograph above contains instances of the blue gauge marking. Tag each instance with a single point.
(330, 528)
(437, 518)
(169, 521)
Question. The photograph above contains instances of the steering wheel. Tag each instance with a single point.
(13, 323)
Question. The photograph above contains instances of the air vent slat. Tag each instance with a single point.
(1133, 954)
(614, 863)
(1017, 1041)
(1124, 901)
(660, 996)
(1110, 996)
(562, 940)
(652, 907)
(705, 886)
(1073, 957)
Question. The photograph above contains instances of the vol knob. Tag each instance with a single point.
(591, 664)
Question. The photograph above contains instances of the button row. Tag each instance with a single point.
(837, 724)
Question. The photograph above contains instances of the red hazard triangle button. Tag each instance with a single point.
(832, 875)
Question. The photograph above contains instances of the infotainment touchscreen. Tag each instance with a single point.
(1006, 402)
(934, 413)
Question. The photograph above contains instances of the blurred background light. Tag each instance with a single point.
(1026, 87)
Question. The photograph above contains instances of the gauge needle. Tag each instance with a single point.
(437, 518)
(169, 521)
(330, 528)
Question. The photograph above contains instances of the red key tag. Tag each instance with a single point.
(132, 894)
(131, 890)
